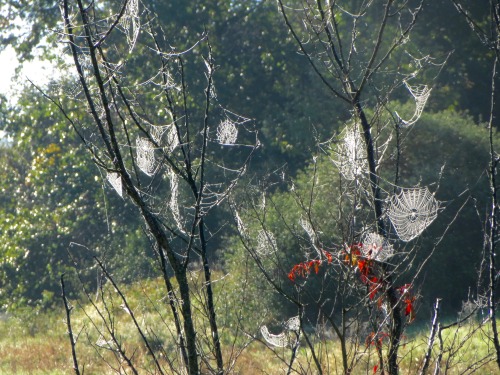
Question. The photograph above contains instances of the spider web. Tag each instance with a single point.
(306, 225)
(293, 324)
(420, 93)
(227, 132)
(115, 180)
(131, 22)
(266, 243)
(173, 203)
(288, 337)
(145, 157)
(157, 134)
(351, 160)
(377, 247)
(242, 229)
(411, 211)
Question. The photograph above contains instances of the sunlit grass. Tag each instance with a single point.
(37, 343)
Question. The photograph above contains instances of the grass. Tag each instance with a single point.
(37, 343)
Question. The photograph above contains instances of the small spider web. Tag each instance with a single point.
(293, 324)
(411, 211)
(288, 337)
(131, 22)
(377, 247)
(157, 134)
(172, 140)
(115, 180)
(306, 225)
(242, 229)
(281, 340)
(420, 93)
(145, 157)
(173, 203)
(351, 160)
(227, 132)
(266, 243)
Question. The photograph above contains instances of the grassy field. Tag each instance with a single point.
(37, 343)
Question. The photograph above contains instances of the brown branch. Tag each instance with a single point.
(68, 309)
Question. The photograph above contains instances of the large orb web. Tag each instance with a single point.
(145, 157)
(411, 211)
(377, 247)
(227, 132)
(351, 159)
(266, 243)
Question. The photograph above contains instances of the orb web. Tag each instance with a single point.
(266, 243)
(115, 180)
(145, 157)
(131, 22)
(377, 247)
(411, 211)
(351, 160)
(227, 132)
(288, 337)
(420, 94)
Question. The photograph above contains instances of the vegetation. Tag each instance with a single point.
(219, 203)
(36, 343)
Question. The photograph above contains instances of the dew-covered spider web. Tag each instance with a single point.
(306, 225)
(292, 324)
(145, 157)
(173, 203)
(377, 247)
(165, 135)
(411, 211)
(131, 22)
(115, 180)
(266, 243)
(351, 159)
(420, 94)
(242, 229)
(227, 132)
(105, 344)
(288, 337)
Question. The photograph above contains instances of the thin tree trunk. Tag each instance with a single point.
(493, 222)
(432, 337)
(68, 309)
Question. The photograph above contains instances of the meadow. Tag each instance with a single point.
(36, 342)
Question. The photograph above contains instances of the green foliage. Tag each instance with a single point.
(51, 198)
(449, 151)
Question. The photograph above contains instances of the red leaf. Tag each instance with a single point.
(375, 368)
(316, 266)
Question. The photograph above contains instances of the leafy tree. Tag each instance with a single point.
(52, 198)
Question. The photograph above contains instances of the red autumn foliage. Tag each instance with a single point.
(304, 269)
(352, 256)
(376, 339)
